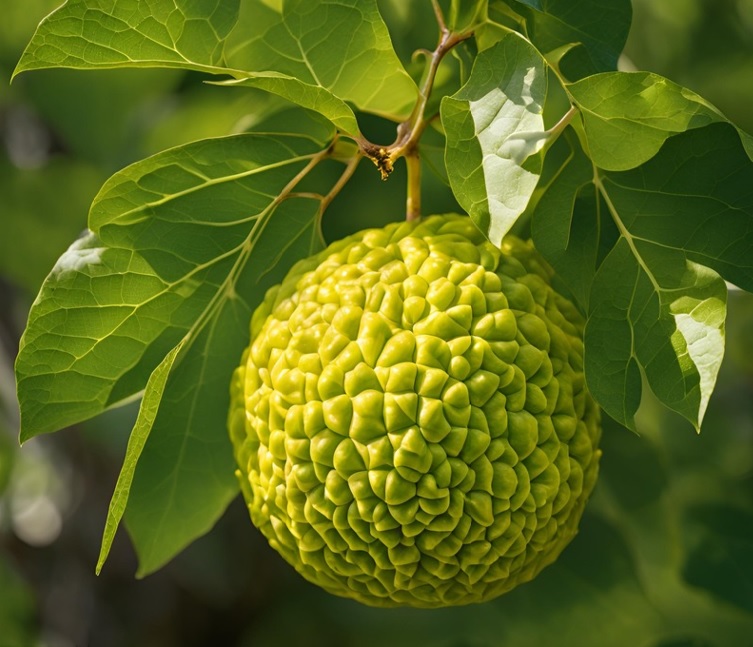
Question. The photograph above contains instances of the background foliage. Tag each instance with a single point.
(665, 553)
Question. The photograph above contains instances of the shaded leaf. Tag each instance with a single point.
(696, 196)
(494, 128)
(566, 222)
(341, 46)
(185, 477)
(599, 26)
(667, 230)
(629, 116)
(87, 34)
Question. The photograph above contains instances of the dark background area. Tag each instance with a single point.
(665, 553)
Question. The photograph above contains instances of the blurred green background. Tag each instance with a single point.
(665, 553)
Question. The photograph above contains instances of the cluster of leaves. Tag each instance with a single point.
(636, 190)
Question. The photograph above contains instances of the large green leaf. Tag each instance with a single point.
(341, 47)
(655, 312)
(643, 251)
(88, 34)
(186, 243)
(194, 204)
(102, 321)
(494, 128)
(695, 196)
(317, 60)
(629, 116)
(599, 27)
(169, 230)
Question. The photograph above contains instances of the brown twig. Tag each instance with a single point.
(409, 132)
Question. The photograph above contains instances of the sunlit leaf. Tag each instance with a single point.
(341, 46)
(87, 34)
(155, 387)
(169, 230)
(307, 95)
(102, 321)
(319, 55)
(629, 116)
(494, 128)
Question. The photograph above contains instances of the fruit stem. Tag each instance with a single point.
(413, 200)
(409, 131)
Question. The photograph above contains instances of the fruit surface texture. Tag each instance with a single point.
(411, 422)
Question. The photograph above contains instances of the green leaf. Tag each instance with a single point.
(87, 34)
(169, 230)
(695, 196)
(155, 387)
(313, 97)
(566, 222)
(599, 26)
(494, 128)
(186, 243)
(101, 323)
(629, 116)
(667, 229)
(341, 46)
(185, 476)
(655, 312)
(319, 55)
(184, 479)
(195, 204)
(184, 209)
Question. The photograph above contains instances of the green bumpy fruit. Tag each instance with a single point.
(411, 422)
